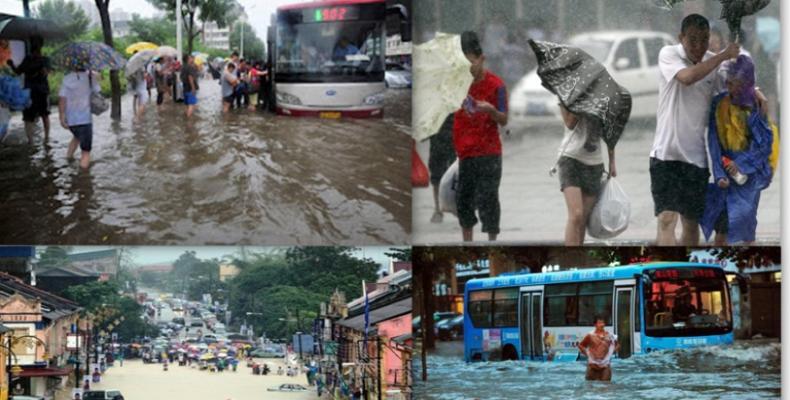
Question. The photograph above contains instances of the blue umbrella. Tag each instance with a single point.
(88, 55)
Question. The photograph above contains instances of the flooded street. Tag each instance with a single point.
(747, 370)
(533, 208)
(247, 177)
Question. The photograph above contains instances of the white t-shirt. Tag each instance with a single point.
(682, 116)
(573, 144)
(77, 92)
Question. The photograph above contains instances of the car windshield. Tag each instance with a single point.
(597, 48)
(686, 302)
(348, 51)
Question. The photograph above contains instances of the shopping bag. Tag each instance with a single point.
(610, 215)
(419, 172)
(448, 189)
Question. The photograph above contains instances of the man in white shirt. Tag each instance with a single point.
(75, 111)
(678, 160)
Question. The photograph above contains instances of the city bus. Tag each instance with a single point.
(327, 57)
(544, 316)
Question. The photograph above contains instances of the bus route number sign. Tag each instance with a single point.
(332, 14)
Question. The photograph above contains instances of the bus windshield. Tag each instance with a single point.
(347, 51)
(686, 302)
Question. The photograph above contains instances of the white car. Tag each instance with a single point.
(631, 57)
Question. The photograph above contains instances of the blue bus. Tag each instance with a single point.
(544, 316)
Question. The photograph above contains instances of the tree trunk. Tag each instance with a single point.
(26, 8)
(115, 83)
(191, 32)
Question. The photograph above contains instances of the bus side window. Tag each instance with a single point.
(561, 305)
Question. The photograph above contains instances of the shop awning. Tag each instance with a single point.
(40, 372)
(387, 312)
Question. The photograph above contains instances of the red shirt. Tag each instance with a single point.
(477, 134)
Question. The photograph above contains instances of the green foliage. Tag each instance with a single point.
(195, 12)
(154, 30)
(400, 253)
(254, 48)
(68, 15)
(54, 256)
(104, 298)
(280, 286)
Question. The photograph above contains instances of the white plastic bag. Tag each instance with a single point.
(448, 188)
(610, 215)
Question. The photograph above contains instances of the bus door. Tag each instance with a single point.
(531, 322)
(624, 316)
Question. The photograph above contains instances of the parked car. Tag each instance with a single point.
(631, 57)
(451, 328)
(267, 353)
(396, 76)
(437, 317)
(109, 394)
(288, 387)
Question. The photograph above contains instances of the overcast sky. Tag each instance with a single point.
(259, 11)
(144, 255)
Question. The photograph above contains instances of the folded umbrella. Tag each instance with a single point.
(88, 55)
(733, 11)
(584, 86)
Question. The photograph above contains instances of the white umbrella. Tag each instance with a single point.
(441, 82)
(139, 60)
(167, 51)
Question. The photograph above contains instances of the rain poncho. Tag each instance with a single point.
(752, 143)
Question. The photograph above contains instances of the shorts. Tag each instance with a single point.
(190, 99)
(678, 186)
(598, 374)
(83, 133)
(142, 96)
(39, 107)
(229, 99)
(577, 174)
(478, 190)
(441, 155)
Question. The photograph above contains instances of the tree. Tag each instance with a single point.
(115, 82)
(105, 298)
(54, 256)
(253, 46)
(400, 253)
(154, 30)
(69, 16)
(194, 11)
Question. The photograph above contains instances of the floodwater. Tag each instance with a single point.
(534, 211)
(746, 370)
(243, 178)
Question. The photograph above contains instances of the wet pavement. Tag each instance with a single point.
(746, 370)
(243, 178)
(533, 208)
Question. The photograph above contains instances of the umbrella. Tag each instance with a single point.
(584, 86)
(441, 82)
(139, 61)
(167, 51)
(207, 356)
(734, 10)
(88, 55)
(140, 46)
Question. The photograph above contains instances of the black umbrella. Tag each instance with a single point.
(734, 10)
(583, 86)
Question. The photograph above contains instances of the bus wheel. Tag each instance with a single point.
(509, 353)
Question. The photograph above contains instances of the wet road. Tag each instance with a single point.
(747, 370)
(242, 178)
(533, 209)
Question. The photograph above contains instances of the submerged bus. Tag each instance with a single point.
(544, 316)
(328, 57)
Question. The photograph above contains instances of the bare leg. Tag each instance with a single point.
(30, 127)
(468, 234)
(690, 233)
(85, 159)
(437, 214)
(574, 227)
(492, 237)
(588, 203)
(45, 122)
(72, 148)
(667, 221)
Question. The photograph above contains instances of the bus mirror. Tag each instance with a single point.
(404, 20)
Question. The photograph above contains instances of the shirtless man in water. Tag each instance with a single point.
(599, 345)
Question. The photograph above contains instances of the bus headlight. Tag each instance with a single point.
(288, 98)
(374, 99)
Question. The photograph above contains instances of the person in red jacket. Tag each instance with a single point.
(477, 144)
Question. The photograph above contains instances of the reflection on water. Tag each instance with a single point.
(246, 177)
(742, 371)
